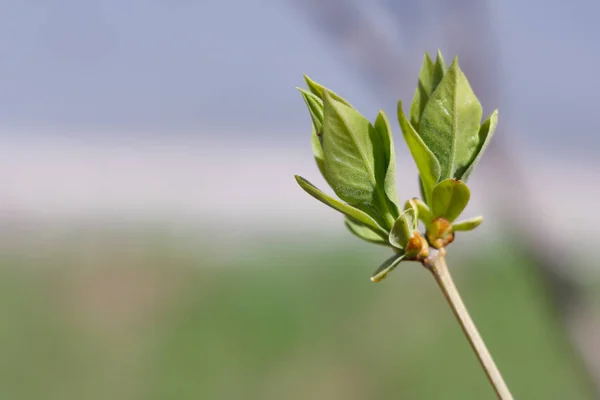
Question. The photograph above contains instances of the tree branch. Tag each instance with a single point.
(436, 263)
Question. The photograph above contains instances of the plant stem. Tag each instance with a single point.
(436, 263)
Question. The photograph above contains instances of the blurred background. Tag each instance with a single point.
(155, 245)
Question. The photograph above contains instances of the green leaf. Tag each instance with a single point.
(385, 159)
(467, 224)
(317, 149)
(439, 69)
(355, 214)
(427, 164)
(423, 211)
(449, 125)
(315, 108)
(348, 154)
(364, 232)
(387, 267)
(486, 131)
(422, 190)
(429, 78)
(319, 90)
(403, 228)
(450, 197)
(423, 91)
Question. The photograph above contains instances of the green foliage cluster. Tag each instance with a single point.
(446, 138)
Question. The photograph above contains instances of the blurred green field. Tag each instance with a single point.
(149, 316)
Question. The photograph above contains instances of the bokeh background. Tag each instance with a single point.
(155, 245)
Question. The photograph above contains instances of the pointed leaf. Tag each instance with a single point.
(348, 153)
(429, 78)
(364, 232)
(387, 267)
(403, 229)
(467, 224)
(315, 108)
(439, 69)
(318, 90)
(486, 131)
(427, 164)
(385, 159)
(423, 91)
(450, 197)
(355, 214)
(450, 122)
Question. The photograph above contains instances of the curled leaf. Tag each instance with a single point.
(385, 161)
(387, 267)
(319, 90)
(403, 229)
(352, 212)
(423, 211)
(317, 149)
(364, 232)
(486, 131)
(467, 224)
(315, 109)
(450, 197)
(427, 163)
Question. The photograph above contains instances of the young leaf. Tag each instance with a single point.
(429, 78)
(467, 224)
(387, 267)
(317, 149)
(318, 90)
(348, 153)
(385, 160)
(423, 91)
(450, 197)
(422, 190)
(423, 211)
(315, 108)
(486, 131)
(364, 232)
(356, 214)
(450, 122)
(403, 229)
(439, 69)
(427, 164)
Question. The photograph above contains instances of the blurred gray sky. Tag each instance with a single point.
(172, 67)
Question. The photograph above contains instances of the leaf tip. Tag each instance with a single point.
(328, 98)
(467, 225)
(427, 58)
(454, 66)
(400, 109)
(381, 116)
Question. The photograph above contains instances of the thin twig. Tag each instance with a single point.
(436, 263)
